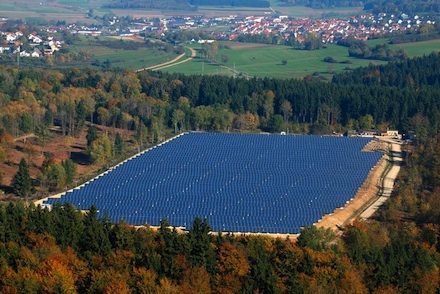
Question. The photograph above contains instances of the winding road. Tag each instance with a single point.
(173, 62)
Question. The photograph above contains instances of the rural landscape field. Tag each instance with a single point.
(266, 60)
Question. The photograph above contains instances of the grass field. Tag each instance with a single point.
(417, 48)
(128, 59)
(266, 60)
(262, 61)
(75, 10)
(301, 11)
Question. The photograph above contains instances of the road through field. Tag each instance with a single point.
(172, 62)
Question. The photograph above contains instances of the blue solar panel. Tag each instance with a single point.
(239, 182)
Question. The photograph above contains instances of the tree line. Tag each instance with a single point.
(238, 3)
(164, 4)
(324, 4)
(407, 6)
(34, 99)
(360, 49)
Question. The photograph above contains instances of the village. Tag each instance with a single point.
(282, 29)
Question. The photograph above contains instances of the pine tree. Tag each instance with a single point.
(70, 170)
(119, 144)
(92, 135)
(21, 182)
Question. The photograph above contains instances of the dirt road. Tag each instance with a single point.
(388, 182)
(373, 193)
(172, 62)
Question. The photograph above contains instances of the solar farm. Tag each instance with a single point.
(240, 182)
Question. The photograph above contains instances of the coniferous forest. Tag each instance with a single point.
(66, 251)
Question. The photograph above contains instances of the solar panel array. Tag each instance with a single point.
(239, 182)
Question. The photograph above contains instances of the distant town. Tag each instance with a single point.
(281, 29)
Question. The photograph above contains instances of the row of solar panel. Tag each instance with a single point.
(177, 179)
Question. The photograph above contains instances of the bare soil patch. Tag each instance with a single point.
(58, 148)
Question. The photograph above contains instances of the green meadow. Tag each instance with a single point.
(263, 61)
(128, 59)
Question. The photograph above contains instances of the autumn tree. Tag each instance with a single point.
(178, 119)
(2, 154)
(100, 150)
(286, 110)
(141, 134)
(231, 267)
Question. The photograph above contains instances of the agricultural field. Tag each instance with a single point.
(75, 10)
(278, 8)
(267, 60)
(127, 59)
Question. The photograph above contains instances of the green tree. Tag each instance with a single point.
(43, 133)
(366, 122)
(316, 239)
(56, 176)
(80, 113)
(92, 135)
(100, 150)
(201, 252)
(21, 182)
(95, 237)
(262, 278)
(69, 170)
(67, 225)
(119, 145)
(224, 58)
(48, 118)
(26, 123)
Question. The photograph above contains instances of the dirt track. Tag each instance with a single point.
(370, 196)
(171, 62)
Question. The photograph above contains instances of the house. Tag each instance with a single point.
(10, 37)
(36, 53)
(5, 50)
